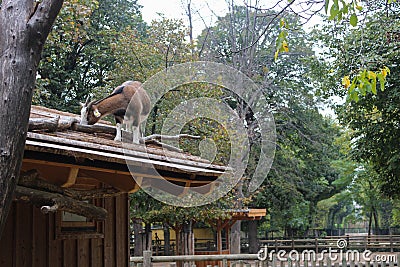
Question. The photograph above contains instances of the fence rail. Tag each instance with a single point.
(253, 260)
(375, 243)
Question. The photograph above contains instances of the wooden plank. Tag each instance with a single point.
(121, 230)
(24, 235)
(138, 152)
(55, 250)
(96, 253)
(39, 250)
(125, 184)
(97, 244)
(111, 157)
(70, 252)
(109, 233)
(83, 249)
(7, 242)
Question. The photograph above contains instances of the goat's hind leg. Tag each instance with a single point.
(118, 136)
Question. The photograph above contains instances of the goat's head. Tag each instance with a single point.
(89, 112)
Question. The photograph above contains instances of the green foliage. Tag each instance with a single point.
(150, 211)
(302, 173)
(339, 9)
(374, 116)
(77, 57)
(139, 57)
(365, 82)
(281, 41)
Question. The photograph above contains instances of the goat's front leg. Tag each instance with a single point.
(118, 136)
(135, 134)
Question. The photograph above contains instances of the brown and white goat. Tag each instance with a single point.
(117, 103)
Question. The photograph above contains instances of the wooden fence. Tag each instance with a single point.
(389, 243)
(253, 260)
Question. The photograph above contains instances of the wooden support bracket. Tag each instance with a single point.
(71, 180)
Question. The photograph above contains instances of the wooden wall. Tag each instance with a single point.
(29, 239)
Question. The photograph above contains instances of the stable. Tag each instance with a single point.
(71, 206)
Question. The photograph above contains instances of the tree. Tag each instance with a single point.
(79, 61)
(21, 44)
(302, 173)
(372, 115)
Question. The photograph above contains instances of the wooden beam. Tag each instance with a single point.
(97, 128)
(138, 184)
(131, 150)
(31, 179)
(122, 159)
(71, 180)
(49, 124)
(186, 189)
(170, 137)
(89, 168)
(50, 202)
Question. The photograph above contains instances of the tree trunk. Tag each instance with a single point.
(187, 241)
(253, 240)
(167, 239)
(51, 202)
(138, 231)
(24, 27)
(369, 224)
(147, 237)
(235, 238)
(376, 222)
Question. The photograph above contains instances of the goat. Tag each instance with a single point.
(117, 103)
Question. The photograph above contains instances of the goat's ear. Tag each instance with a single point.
(97, 113)
(82, 105)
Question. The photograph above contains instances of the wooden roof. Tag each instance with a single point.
(249, 214)
(68, 156)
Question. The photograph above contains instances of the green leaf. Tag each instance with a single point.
(345, 8)
(381, 81)
(373, 84)
(327, 5)
(353, 20)
(334, 11)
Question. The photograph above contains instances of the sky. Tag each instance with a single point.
(205, 11)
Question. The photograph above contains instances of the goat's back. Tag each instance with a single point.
(135, 88)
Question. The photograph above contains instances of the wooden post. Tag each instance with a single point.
(219, 237)
(313, 262)
(344, 262)
(274, 261)
(391, 243)
(329, 262)
(147, 258)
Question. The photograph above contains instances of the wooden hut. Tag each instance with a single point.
(223, 228)
(71, 205)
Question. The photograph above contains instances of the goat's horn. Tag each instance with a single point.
(87, 100)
